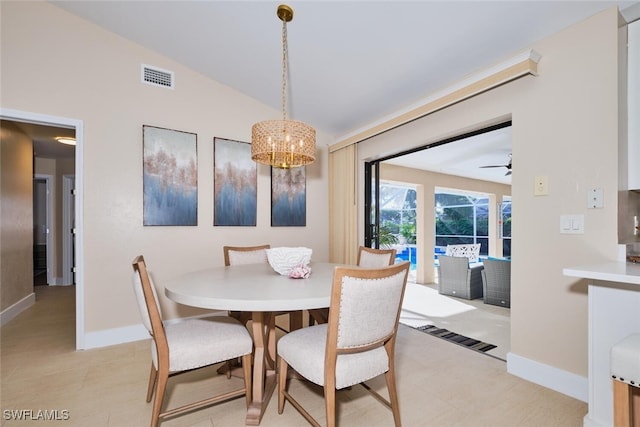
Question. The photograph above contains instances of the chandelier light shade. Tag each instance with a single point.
(283, 143)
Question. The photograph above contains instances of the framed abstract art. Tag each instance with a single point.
(288, 197)
(170, 177)
(235, 184)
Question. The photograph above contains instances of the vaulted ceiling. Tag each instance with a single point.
(351, 63)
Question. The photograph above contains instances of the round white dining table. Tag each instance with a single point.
(259, 289)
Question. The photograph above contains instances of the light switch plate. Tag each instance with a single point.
(540, 185)
(572, 224)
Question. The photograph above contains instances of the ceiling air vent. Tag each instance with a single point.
(157, 77)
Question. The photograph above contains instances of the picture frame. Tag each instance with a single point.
(170, 177)
(288, 197)
(235, 184)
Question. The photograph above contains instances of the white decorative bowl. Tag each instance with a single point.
(283, 260)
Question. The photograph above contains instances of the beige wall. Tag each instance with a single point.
(565, 126)
(56, 64)
(426, 183)
(16, 216)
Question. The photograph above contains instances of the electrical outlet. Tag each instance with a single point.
(595, 198)
(540, 186)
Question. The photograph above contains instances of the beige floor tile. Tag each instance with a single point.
(439, 383)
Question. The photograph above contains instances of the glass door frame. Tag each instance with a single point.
(372, 204)
(372, 183)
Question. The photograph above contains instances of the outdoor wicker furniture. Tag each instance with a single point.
(496, 282)
(456, 278)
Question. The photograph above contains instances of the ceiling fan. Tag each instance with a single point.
(508, 166)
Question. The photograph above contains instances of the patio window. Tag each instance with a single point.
(461, 218)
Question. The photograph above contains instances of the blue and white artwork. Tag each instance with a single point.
(170, 177)
(235, 184)
(288, 197)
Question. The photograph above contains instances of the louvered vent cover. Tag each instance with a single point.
(157, 77)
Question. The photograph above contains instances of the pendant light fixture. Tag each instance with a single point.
(283, 143)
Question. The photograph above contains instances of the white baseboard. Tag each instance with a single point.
(588, 422)
(59, 281)
(12, 311)
(548, 376)
(127, 334)
(115, 336)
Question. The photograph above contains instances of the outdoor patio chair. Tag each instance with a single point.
(496, 282)
(457, 279)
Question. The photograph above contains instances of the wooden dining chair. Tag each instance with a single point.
(373, 258)
(187, 345)
(367, 257)
(239, 255)
(357, 344)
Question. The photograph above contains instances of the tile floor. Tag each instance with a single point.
(439, 383)
(423, 305)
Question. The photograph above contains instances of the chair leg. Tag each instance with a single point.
(390, 376)
(161, 387)
(621, 406)
(330, 404)
(246, 367)
(282, 383)
(153, 377)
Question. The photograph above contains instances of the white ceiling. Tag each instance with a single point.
(351, 63)
(466, 157)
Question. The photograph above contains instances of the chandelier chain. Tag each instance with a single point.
(284, 69)
(283, 144)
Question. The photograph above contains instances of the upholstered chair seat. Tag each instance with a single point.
(305, 354)
(225, 340)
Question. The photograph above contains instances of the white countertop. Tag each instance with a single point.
(622, 272)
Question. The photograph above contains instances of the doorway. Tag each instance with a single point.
(479, 157)
(23, 118)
